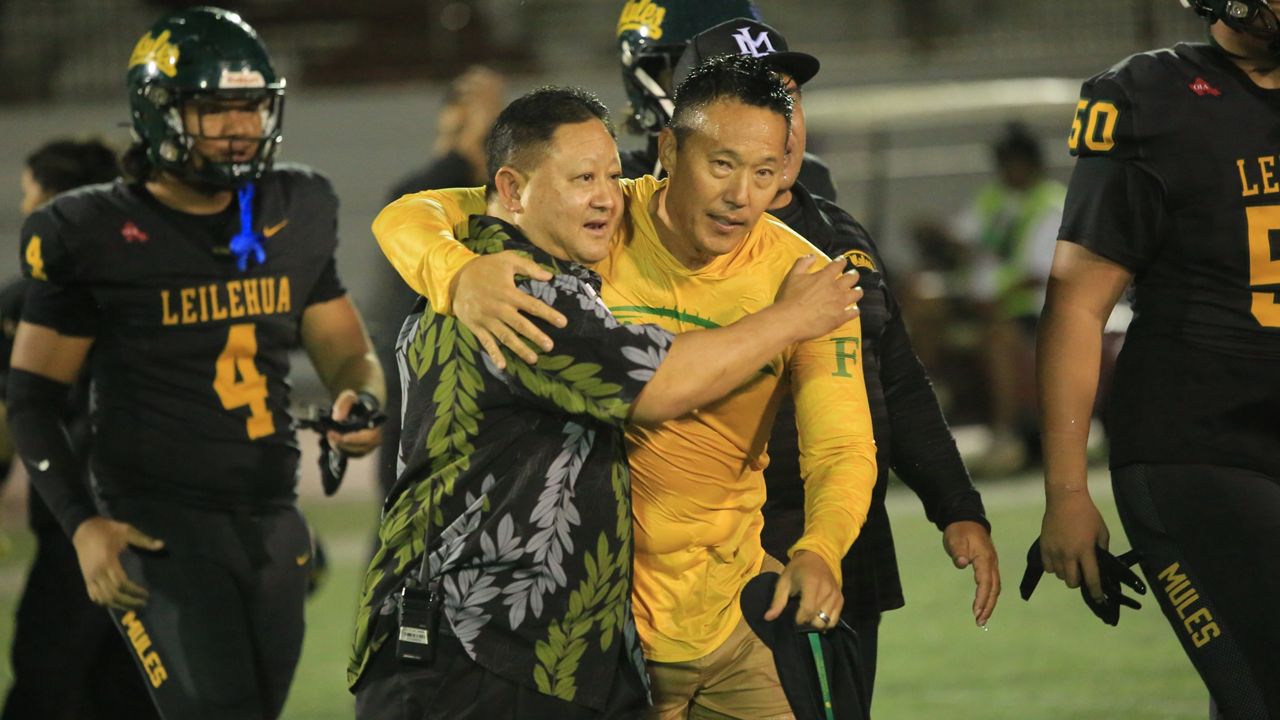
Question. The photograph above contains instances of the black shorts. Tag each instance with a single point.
(455, 687)
(1209, 539)
(222, 630)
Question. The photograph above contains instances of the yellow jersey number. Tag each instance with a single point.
(1095, 124)
(1263, 270)
(239, 384)
(35, 258)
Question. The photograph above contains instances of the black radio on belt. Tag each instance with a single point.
(418, 622)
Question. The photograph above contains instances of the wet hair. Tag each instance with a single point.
(1018, 143)
(65, 164)
(523, 130)
(733, 77)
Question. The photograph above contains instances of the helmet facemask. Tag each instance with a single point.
(218, 140)
(647, 78)
(1252, 17)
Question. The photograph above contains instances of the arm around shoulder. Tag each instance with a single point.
(416, 235)
(705, 365)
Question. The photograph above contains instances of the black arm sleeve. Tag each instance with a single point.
(928, 462)
(36, 407)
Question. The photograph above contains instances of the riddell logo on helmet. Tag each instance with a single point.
(644, 16)
(236, 79)
(156, 51)
(1201, 87)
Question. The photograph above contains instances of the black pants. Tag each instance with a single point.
(1209, 538)
(454, 687)
(222, 631)
(68, 661)
(867, 626)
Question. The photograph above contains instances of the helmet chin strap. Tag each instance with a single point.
(208, 182)
(201, 184)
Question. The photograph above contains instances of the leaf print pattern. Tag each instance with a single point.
(648, 359)
(540, 290)
(653, 334)
(453, 539)
(555, 516)
(521, 476)
(465, 594)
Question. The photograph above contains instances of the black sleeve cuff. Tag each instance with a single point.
(963, 506)
(35, 410)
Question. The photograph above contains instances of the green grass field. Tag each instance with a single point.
(1044, 660)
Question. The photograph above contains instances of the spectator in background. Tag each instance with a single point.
(1009, 230)
(58, 632)
(471, 106)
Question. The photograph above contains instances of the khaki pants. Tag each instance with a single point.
(736, 681)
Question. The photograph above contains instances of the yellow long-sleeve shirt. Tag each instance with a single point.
(697, 482)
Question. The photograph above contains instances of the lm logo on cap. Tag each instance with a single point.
(759, 46)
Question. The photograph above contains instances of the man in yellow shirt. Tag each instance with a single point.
(696, 251)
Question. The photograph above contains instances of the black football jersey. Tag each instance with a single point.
(1177, 180)
(191, 355)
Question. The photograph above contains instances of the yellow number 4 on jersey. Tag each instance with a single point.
(238, 382)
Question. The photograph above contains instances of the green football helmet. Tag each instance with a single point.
(209, 59)
(651, 36)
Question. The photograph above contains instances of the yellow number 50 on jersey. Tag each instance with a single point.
(1095, 123)
(239, 384)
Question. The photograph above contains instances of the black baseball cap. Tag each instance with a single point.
(744, 36)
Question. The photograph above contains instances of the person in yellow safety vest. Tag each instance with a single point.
(1011, 228)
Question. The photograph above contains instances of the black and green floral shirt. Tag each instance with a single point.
(530, 499)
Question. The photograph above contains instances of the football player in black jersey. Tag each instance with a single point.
(1176, 190)
(191, 283)
(98, 681)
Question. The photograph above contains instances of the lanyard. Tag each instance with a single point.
(816, 645)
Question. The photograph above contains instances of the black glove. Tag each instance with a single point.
(365, 414)
(1112, 572)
